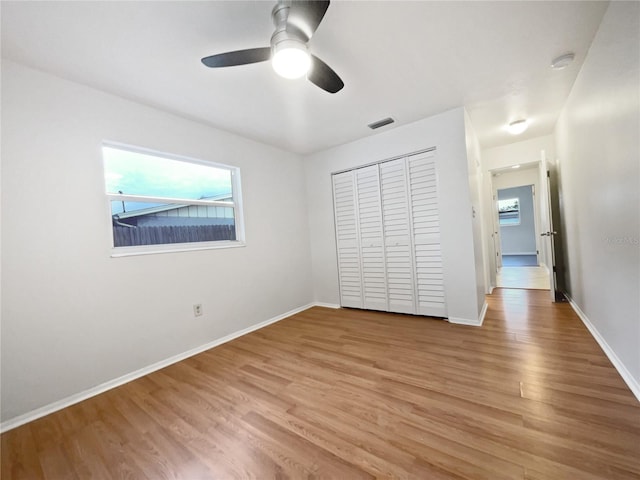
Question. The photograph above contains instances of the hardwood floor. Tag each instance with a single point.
(350, 394)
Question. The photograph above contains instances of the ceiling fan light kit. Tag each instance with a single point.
(296, 21)
(290, 59)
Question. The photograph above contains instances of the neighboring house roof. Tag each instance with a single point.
(163, 208)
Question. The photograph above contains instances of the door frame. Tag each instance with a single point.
(540, 202)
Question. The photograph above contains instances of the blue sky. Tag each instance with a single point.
(136, 173)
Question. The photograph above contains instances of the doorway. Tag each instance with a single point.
(516, 219)
(517, 229)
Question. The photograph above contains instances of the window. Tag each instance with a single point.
(161, 203)
(509, 211)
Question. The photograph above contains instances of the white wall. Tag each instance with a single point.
(72, 317)
(476, 179)
(446, 132)
(516, 178)
(598, 153)
(518, 153)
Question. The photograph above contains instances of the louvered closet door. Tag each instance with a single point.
(369, 220)
(347, 239)
(426, 235)
(397, 236)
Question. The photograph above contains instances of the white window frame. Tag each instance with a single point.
(236, 204)
(519, 213)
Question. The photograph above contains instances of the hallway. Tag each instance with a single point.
(536, 278)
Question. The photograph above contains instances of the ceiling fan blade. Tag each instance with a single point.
(323, 76)
(239, 57)
(305, 16)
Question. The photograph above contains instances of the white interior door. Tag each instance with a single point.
(547, 223)
(397, 236)
(369, 219)
(497, 241)
(347, 240)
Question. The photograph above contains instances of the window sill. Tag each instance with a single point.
(172, 248)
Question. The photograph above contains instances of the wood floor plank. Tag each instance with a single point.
(359, 394)
(20, 458)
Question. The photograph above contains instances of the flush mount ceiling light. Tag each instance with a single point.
(291, 59)
(563, 61)
(515, 166)
(517, 127)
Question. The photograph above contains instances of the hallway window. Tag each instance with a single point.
(509, 211)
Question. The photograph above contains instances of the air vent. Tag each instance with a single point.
(381, 123)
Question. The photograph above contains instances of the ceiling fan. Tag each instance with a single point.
(296, 21)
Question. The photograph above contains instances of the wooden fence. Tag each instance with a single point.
(130, 236)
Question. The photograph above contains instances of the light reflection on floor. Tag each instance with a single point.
(531, 322)
(523, 277)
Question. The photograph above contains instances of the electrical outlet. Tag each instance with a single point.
(197, 310)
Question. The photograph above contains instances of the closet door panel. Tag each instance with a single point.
(374, 286)
(423, 200)
(388, 237)
(397, 236)
(347, 239)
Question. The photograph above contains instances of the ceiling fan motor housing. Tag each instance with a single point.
(280, 15)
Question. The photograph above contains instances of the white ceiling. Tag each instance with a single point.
(407, 60)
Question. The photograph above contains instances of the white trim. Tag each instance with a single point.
(236, 204)
(483, 313)
(326, 305)
(631, 382)
(174, 202)
(518, 253)
(116, 382)
(473, 323)
(134, 250)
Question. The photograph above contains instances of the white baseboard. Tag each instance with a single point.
(326, 305)
(518, 253)
(467, 321)
(103, 387)
(631, 382)
(483, 313)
